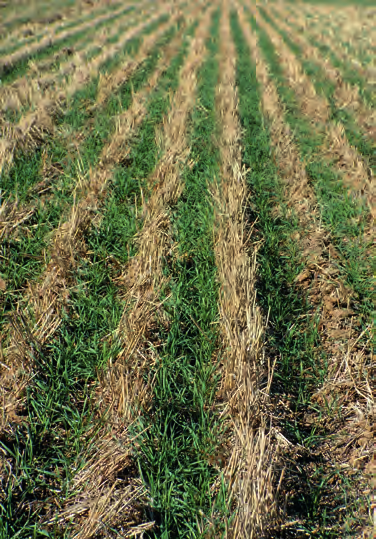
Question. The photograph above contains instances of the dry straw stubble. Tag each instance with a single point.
(143, 276)
(346, 95)
(11, 213)
(123, 392)
(42, 77)
(246, 375)
(298, 191)
(39, 15)
(317, 250)
(319, 26)
(348, 161)
(29, 130)
(42, 304)
(349, 361)
(49, 40)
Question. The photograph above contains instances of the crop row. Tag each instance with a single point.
(186, 280)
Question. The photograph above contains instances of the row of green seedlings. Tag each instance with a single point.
(17, 69)
(181, 428)
(293, 336)
(326, 87)
(29, 16)
(346, 217)
(14, 116)
(179, 437)
(22, 257)
(364, 55)
(47, 450)
(60, 28)
(348, 73)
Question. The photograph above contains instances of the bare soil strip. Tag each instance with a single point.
(123, 390)
(33, 123)
(348, 161)
(249, 471)
(346, 95)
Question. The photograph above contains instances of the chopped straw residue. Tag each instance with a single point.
(41, 76)
(350, 360)
(47, 41)
(298, 191)
(246, 376)
(46, 299)
(346, 95)
(123, 391)
(143, 276)
(316, 108)
(335, 36)
(28, 130)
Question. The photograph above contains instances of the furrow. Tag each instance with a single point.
(360, 70)
(187, 265)
(26, 34)
(128, 122)
(123, 386)
(249, 470)
(316, 108)
(72, 240)
(109, 82)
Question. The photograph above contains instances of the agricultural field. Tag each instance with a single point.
(187, 264)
